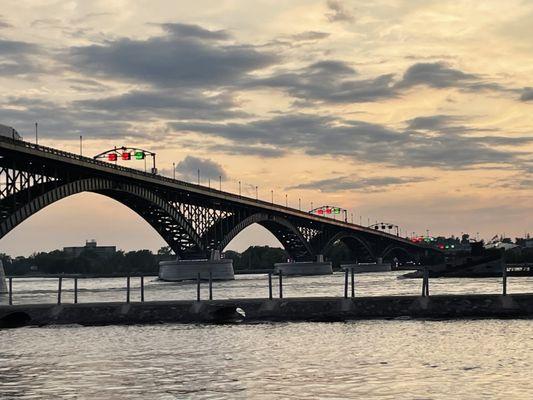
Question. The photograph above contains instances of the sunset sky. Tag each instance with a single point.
(418, 113)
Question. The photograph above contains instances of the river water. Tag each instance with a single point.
(396, 359)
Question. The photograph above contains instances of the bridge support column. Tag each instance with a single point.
(216, 268)
(318, 267)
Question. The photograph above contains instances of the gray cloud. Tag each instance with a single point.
(187, 169)
(432, 122)
(363, 141)
(189, 104)
(187, 56)
(330, 81)
(16, 57)
(336, 82)
(338, 12)
(439, 75)
(4, 24)
(194, 31)
(343, 183)
(244, 150)
(309, 35)
(527, 94)
(63, 121)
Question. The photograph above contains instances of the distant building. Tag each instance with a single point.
(525, 243)
(90, 245)
(9, 132)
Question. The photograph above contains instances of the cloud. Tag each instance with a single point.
(527, 94)
(187, 169)
(440, 76)
(194, 31)
(188, 104)
(4, 24)
(362, 141)
(337, 12)
(244, 150)
(63, 121)
(432, 122)
(335, 81)
(344, 183)
(186, 56)
(309, 36)
(16, 57)
(330, 81)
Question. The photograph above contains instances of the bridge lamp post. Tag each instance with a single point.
(81, 145)
(299, 204)
(256, 193)
(173, 170)
(286, 200)
(272, 196)
(36, 134)
(239, 188)
(220, 183)
(198, 176)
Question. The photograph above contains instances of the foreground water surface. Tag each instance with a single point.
(395, 359)
(479, 359)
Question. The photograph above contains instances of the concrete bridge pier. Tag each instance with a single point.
(318, 267)
(180, 270)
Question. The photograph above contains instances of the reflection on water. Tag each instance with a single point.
(30, 290)
(367, 359)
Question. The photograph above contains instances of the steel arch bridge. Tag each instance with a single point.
(194, 220)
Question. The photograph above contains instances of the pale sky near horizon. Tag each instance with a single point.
(418, 113)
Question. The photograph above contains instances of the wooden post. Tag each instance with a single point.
(346, 283)
(270, 285)
(60, 284)
(426, 275)
(10, 291)
(75, 290)
(198, 287)
(280, 284)
(353, 281)
(142, 289)
(210, 285)
(127, 289)
(504, 280)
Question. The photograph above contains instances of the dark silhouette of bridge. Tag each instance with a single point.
(194, 220)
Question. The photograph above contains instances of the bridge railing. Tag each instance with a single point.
(63, 287)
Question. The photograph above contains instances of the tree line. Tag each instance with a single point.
(88, 262)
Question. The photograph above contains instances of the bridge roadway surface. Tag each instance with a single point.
(264, 310)
(193, 219)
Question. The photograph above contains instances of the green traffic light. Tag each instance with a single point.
(139, 155)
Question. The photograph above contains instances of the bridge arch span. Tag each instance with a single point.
(284, 231)
(354, 242)
(395, 249)
(162, 216)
